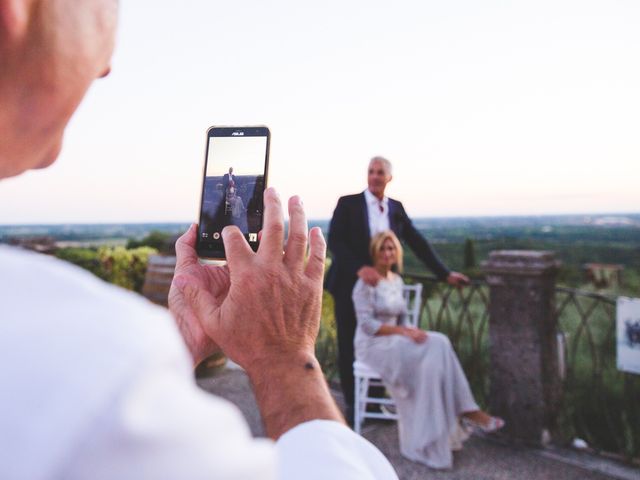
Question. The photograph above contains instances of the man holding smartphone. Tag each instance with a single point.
(98, 383)
(355, 220)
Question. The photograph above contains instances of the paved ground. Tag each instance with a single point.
(481, 458)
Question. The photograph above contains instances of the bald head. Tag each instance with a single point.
(50, 53)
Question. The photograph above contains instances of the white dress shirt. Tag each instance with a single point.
(378, 212)
(96, 383)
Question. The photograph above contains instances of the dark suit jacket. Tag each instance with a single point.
(349, 242)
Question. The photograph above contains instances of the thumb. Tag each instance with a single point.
(236, 248)
(200, 300)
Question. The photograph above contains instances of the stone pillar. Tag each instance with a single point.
(525, 381)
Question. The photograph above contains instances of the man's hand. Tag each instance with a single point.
(265, 305)
(214, 280)
(457, 279)
(369, 275)
(416, 334)
(264, 312)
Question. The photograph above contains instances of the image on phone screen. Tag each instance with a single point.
(235, 173)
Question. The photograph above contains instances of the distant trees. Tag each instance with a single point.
(155, 239)
(469, 260)
(469, 254)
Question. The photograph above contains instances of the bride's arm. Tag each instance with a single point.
(363, 300)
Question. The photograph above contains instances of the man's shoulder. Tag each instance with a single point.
(395, 202)
(348, 206)
(75, 353)
(351, 199)
(88, 332)
(50, 296)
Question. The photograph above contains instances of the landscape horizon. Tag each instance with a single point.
(634, 214)
(580, 240)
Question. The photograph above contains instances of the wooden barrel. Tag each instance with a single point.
(157, 280)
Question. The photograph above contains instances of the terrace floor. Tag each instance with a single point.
(481, 459)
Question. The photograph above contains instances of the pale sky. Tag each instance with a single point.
(485, 108)
(245, 154)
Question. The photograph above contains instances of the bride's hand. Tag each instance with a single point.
(415, 334)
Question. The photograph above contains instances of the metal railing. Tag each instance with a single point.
(462, 315)
(600, 404)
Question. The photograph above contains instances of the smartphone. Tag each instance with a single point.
(236, 163)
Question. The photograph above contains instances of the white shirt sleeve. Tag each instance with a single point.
(165, 427)
(324, 449)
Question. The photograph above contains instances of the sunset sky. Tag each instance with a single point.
(485, 108)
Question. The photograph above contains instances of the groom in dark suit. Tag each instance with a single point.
(355, 220)
(229, 179)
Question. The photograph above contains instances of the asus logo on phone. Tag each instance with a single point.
(237, 134)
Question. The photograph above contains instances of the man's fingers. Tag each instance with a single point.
(317, 252)
(236, 248)
(273, 225)
(371, 277)
(297, 238)
(460, 280)
(186, 248)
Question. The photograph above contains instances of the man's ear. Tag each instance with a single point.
(14, 18)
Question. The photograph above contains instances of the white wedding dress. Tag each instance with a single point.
(425, 380)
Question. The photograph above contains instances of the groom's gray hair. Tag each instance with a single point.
(387, 164)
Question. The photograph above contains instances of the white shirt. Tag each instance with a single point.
(96, 383)
(378, 218)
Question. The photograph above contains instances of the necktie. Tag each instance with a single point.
(381, 207)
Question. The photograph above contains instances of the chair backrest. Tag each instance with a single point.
(413, 297)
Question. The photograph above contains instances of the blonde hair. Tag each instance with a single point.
(376, 244)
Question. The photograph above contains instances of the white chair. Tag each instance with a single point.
(365, 376)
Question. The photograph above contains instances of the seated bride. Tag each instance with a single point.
(419, 368)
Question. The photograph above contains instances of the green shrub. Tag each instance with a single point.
(327, 342)
(118, 265)
(125, 267)
(86, 258)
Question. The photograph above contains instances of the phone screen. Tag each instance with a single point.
(235, 174)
